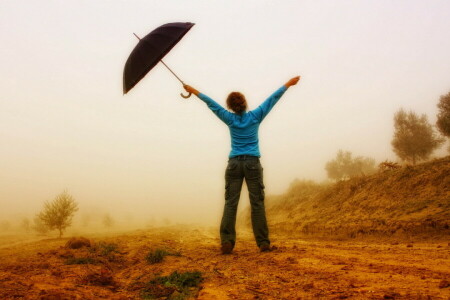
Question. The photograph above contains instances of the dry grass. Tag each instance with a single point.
(157, 256)
(296, 269)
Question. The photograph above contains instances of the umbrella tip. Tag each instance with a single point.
(137, 36)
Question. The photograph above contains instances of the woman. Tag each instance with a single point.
(243, 162)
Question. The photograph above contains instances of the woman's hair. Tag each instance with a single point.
(236, 102)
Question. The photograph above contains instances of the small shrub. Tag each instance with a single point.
(157, 256)
(176, 286)
(107, 251)
(107, 248)
(180, 280)
(98, 253)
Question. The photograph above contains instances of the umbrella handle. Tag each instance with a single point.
(185, 96)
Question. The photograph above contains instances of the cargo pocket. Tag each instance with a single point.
(254, 170)
(231, 169)
(263, 193)
(232, 165)
(227, 190)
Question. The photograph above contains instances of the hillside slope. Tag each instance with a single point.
(413, 200)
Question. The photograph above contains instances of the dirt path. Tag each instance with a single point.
(297, 269)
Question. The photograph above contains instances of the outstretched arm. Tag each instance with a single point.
(262, 110)
(216, 108)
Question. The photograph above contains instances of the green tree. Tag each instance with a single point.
(414, 138)
(443, 117)
(58, 213)
(344, 166)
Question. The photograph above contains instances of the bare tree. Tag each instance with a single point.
(58, 213)
(443, 117)
(414, 137)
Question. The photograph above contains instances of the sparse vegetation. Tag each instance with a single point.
(344, 166)
(58, 213)
(98, 253)
(176, 286)
(414, 137)
(106, 249)
(157, 256)
(39, 271)
(80, 261)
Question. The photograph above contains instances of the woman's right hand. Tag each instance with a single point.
(292, 81)
(190, 89)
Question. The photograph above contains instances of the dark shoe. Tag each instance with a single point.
(226, 248)
(265, 248)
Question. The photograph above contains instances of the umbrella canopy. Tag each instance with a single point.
(150, 50)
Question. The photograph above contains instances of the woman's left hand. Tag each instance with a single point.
(292, 81)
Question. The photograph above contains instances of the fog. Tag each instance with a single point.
(152, 156)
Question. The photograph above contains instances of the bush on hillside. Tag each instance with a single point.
(344, 166)
(414, 138)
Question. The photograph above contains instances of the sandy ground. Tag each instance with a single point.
(297, 269)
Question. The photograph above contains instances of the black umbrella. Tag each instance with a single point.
(150, 50)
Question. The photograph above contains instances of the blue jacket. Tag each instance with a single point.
(244, 127)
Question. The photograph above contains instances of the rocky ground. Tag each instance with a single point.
(115, 267)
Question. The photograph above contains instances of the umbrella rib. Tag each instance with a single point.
(150, 45)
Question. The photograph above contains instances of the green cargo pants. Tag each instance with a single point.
(250, 168)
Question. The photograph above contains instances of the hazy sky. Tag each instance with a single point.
(64, 123)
